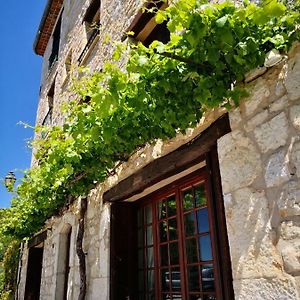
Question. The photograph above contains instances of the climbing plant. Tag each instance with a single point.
(9, 266)
(160, 91)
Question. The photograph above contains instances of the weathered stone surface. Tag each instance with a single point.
(277, 171)
(255, 73)
(289, 200)
(259, 93)
(295, 116)
(256, 120)
(279, 89)
(99, 289)
(273, 134)
(279, 288)
(295, 158)
(290, 230)
(279, 104)
(228, 204)
(251, 249)
(289, 245)
(235, 118)
(292, 79)
(240, 162)
(291, 257)
(91, 211)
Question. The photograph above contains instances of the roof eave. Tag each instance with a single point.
(50, 16)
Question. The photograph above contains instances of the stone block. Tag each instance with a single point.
(91, 212)
(253, 74)
(99, 289)
(277, 171)
(291, 257)
(273, 134)
(256, 120)
(279, 89)
(295, 158)
(276, 288)
(292, 78)
(228, 204)
(240, 162)
(289, 200)
(235, 118)
(258, 94)
(94, 268)
(295, 116)
(279, 104)
(290, 230)
(252, 252)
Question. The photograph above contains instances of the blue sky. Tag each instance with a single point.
(19, 84)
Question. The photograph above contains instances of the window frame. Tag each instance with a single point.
(90, 19)
(176, 188)
(56, 37)
(47, 121)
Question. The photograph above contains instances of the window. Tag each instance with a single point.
(49, 116)
(92, 27)
(168, 238)
(175, 254)
(145, 29)
(50, 96)
(55, 43)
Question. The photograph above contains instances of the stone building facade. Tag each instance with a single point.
(239, 169)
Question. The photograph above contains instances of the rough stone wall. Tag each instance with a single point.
(260, 170)
(259, 162)
(51, 254)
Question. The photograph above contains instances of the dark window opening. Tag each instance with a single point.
(145, 29)
(34, 267)
(159, 33)
(34, 273)
(55, 44)
(50, 97)
(91, 21)
(49, 116)
(123, 262)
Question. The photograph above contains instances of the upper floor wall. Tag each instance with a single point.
(77, 39)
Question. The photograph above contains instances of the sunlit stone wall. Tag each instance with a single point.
(260, 170)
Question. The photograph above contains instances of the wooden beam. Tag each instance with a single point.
(39, 238)
(143, 16)
(170, 164)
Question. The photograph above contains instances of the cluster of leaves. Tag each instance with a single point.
(9, 257)
(160, 91)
